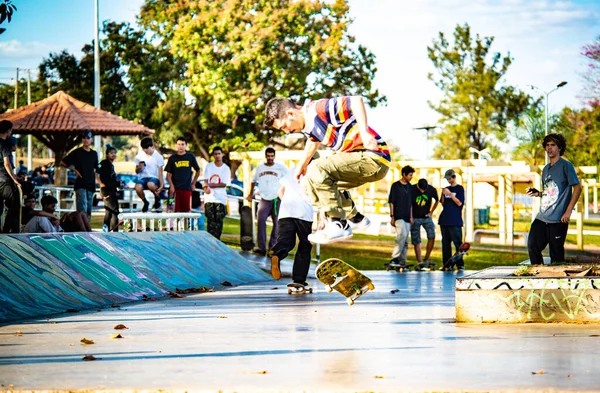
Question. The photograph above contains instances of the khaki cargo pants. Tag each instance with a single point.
(326, 177)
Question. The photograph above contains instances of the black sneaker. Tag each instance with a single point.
(156, 205)
(145, 207)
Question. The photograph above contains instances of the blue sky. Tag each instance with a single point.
(543, 36)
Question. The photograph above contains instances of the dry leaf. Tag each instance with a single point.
(569, 375)
(261, 372)
(194, 290)
(18, 333)
(115, 306)
(120, 327)
(88, 358)
(379, 377)
(538, 372)
(72, 310)
(86, 341)
(221, 316)
(116, 336)
(173, 294)
(394, 291)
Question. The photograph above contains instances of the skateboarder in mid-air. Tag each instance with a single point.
(295, 220)
(361, 157)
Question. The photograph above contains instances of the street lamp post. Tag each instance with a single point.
(427, 129)
(546, 94)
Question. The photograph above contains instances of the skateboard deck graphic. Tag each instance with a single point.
(298, 289)
(246, 228)
(339, 276)
(454, 259)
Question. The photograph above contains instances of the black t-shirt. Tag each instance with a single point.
(421, 201)
(5, 151)
(86, 162)
(400, 196)
(180, 168)
(26, 214)
(107, 174)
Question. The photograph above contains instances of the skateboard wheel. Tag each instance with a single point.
(349, 301)
(328, 288)
(309, 290)
(371, 286)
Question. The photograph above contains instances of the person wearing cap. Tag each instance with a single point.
(450, 221)
(423, 195)
(560, 192)
(84, 162)
(9, 192)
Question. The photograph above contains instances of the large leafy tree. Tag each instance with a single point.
(239, 54)
(7, 9)
(581, 128)
(591, 75)
(476, 106)
(529, 131)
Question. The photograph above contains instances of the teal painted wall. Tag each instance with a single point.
(42, 274)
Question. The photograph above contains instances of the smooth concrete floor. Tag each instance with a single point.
(259, 338)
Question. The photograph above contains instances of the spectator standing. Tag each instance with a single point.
(109, 187)
(422, 196)
(267, 174)
(179, 175)
(560, 192)
(149, 167)
(84, 161)
(217, 176)
(295, 220)
(9, 192)
(450, 221)
(401, 215)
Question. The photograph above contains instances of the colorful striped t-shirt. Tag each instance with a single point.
(332, 122)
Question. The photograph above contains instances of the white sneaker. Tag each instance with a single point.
(361, 225)
(334, 231)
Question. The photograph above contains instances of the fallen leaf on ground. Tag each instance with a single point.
(394, 291)
(173, 294)
(116, 336)
(538, 372)
(18, 333)
(120, 327)
(221, 316)
(274, 288)
(379, 377)
(88, 358)
(569, 375)
(86, 341)
(226, 284)
(149, 299)
(115, 306)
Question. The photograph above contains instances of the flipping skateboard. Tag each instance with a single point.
(338, 275)
(298, 289)
(398, 268)
(457, 257)
(246, 228)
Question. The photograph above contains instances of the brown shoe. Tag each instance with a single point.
(275, 272)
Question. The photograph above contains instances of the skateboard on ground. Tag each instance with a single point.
(454, 259)
(425, 267)
(338, 275)
(400, 269)
(298, 289)
(246, 228)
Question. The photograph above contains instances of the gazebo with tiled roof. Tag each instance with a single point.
(59, 120)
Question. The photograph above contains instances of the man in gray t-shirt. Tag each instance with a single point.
(560, 192)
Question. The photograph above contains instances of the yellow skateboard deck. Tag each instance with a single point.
(339, 276)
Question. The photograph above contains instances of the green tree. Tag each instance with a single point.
(239, 54)
(476, 106)
(7, 8)
(581, 128)
(530, 130)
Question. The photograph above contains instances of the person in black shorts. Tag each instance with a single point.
(423, 194)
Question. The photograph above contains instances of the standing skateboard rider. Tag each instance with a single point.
(361, 156)
(422, 196)
(560, 192)
(295, 220)
(179, 175)
(267, 175)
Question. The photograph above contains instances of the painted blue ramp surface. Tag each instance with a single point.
(48, 273)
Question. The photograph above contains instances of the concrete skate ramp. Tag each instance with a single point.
(43, 274)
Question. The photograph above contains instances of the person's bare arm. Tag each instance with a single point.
(360, 114)
(309, 151)
(171, 185)
(161, 182)
(8, 168)
(574, 198)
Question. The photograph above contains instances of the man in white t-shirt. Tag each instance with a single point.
(217, 176)
(267, 175)
(295, 219)
(149, 167)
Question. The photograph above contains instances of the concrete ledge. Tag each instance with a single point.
(495, 295)
(42, 274)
